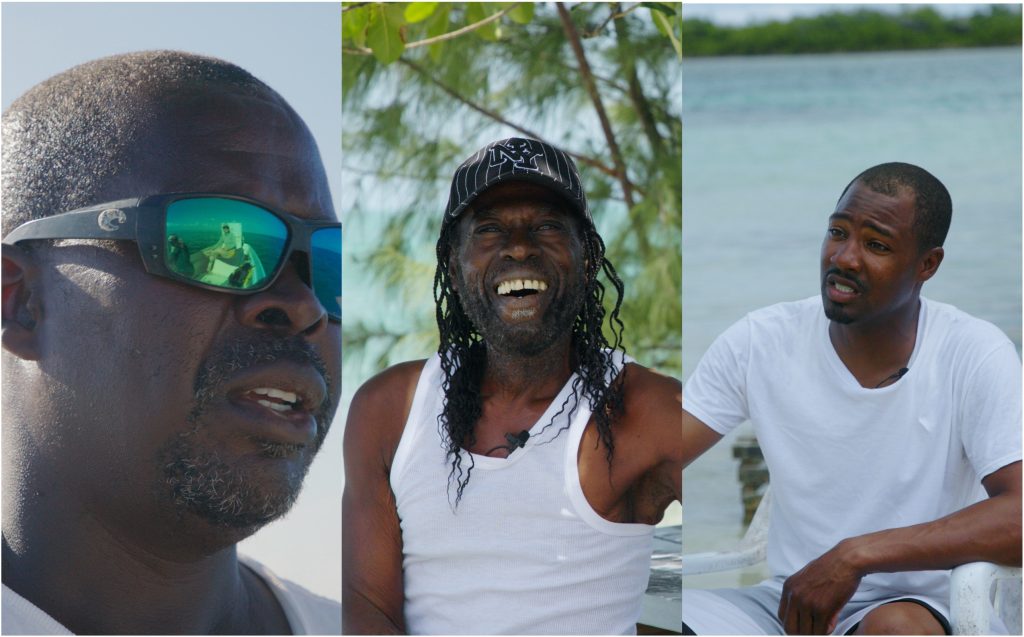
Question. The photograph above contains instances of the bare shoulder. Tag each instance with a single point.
(653, 409)
(651, 393)
(379, 410)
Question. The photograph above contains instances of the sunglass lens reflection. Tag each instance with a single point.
(325, 269)
(223, 242)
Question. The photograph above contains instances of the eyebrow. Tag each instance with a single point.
(543, 206)
(882, 230)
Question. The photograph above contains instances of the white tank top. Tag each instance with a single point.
(524, 553)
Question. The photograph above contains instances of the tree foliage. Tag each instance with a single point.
(861, 30)
(426, 84)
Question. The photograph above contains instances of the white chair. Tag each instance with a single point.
(976, 589)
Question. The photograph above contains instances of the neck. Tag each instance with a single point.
(874, 350)
(513, 375)
(94, 579)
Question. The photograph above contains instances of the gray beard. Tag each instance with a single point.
(557, 321)
(199, 481)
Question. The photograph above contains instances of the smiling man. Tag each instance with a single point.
(154, 414)
(890, 425)
(510, 483)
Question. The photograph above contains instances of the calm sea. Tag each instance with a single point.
(770, 142)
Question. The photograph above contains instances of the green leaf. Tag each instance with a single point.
(354, 23)
(477, 11)
(665, 26)
(419, 11)
(437, 25)
(384, 37)
(661, 7)
(523, 13)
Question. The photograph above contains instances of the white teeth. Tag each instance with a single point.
(843, 288)
(275, 406)
(280, 394)
(507, 287)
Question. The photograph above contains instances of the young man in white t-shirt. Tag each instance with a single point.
(890, 425)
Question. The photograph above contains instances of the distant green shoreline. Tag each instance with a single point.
(914, 28)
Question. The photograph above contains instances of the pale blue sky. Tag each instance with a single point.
(296, 49)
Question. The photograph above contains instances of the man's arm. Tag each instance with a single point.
(697, 438)
(372, 588)
(988, 531)
(653, 447)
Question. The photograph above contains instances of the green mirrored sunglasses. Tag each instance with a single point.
(224, 243)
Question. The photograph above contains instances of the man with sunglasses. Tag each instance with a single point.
(510, 484)
(157, 413)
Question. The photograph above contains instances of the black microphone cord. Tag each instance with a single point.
(515, 441)
(894, 377)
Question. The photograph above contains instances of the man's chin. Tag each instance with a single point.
(837, 313)
(240, 494)
(522, 339)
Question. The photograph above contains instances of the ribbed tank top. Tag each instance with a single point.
(523, 553)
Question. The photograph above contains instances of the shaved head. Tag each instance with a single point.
(89, 134)
(933, 207)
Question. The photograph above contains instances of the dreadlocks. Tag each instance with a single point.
(463, 355)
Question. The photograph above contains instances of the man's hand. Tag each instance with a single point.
(813, 596)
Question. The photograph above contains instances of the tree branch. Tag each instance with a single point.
(614, 15)
(588, 82)
(457, 32)
(583, 159)
(606, 81)
(636, 93)
(451, 35)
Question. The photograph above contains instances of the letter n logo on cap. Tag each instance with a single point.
(519, 153)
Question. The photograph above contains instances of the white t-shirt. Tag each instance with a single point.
(307, 613)
(845, 460)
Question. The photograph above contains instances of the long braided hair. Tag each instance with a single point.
(464, 355)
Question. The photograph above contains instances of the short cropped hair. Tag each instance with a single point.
(933, 207)
(68, 138)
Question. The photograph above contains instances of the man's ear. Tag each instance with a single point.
(930, 262)
(21, 308)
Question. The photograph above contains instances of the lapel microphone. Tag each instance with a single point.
(517, 441)
(895, 377)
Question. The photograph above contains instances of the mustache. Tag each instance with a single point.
(242, 353)
(852, 278)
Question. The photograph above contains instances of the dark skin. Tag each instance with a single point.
(99, 364)
(872, 272)
(512, 231)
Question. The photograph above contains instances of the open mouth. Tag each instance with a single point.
(277, 400)
(841, 290)
(519, 288)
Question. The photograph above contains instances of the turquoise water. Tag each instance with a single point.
(769, 143)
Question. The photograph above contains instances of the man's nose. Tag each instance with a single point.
(288, 307)
(847, 256)
(520, 244)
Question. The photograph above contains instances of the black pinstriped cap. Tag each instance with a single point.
(516, 159)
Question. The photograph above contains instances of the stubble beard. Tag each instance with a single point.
(224, 492)
(522, 339)
(837, 314)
